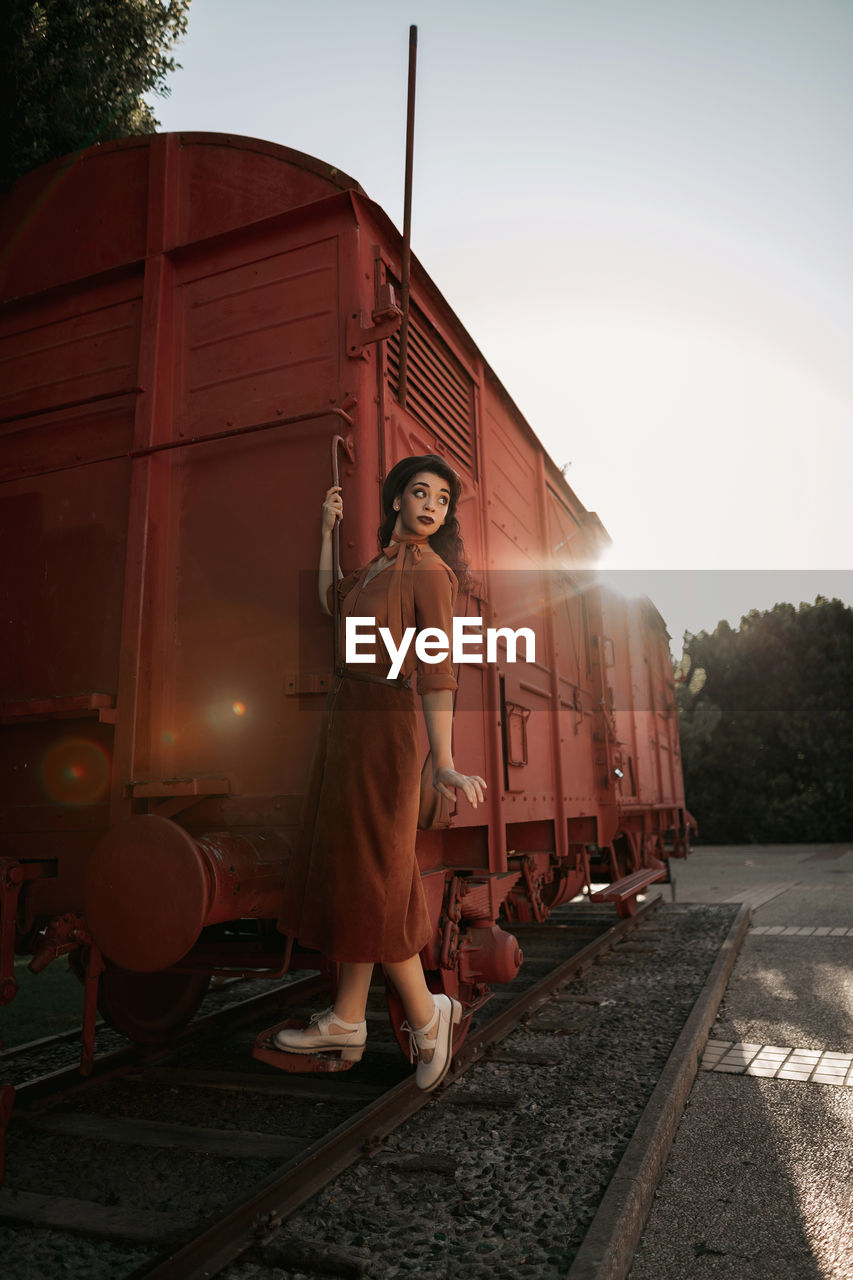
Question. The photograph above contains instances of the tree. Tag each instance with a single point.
(75, 72)
(767, 738)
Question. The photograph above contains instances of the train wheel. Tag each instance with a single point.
(438, 982)
(149, 1008)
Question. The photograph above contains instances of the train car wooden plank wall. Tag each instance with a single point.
(190, 327)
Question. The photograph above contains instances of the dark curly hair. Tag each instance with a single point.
(447, 541)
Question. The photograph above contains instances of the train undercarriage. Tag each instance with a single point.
(146, 976)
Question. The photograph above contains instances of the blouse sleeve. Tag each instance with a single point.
(435, 593)
(345, 586)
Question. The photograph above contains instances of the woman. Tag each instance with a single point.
(354, 889)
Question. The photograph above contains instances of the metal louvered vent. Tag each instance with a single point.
(439, 391)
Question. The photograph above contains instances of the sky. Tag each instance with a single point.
(641, 211)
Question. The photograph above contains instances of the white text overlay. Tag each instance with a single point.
(433, 645)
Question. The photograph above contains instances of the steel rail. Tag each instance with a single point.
(498, 1028)
(250, 1221)
(40, 1045)
(46, 1043)
(61, 1084)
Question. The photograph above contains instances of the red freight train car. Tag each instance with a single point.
(192, 325)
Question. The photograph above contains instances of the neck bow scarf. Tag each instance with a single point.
(405, 553)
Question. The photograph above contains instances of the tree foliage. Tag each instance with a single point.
(767, 738)
(75, 72)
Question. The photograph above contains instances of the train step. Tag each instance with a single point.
(624, 892)
(264, 1050)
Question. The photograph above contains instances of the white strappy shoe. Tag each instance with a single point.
(316, 1037)
(448, 1014)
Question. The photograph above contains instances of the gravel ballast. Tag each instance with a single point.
(499, 1175)
(509, 1190)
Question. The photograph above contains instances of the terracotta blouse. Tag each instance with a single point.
(419, 592)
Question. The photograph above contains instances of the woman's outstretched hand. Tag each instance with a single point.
(471, 785)
(333, 508)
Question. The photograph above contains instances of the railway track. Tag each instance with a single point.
(248, 1146)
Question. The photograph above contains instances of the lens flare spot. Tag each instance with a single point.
(75, 771)
(239, 708)
(168, 737)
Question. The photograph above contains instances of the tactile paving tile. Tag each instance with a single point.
(801, 931)
(817, 1066)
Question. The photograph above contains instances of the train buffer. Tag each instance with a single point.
(624, 892)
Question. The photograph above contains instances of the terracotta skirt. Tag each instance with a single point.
(354, 889)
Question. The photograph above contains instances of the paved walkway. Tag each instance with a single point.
(759, 1183)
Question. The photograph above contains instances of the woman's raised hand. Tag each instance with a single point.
(333, 508)
(470, 784)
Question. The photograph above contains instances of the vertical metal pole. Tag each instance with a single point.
(337, 441)
(407, 218)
